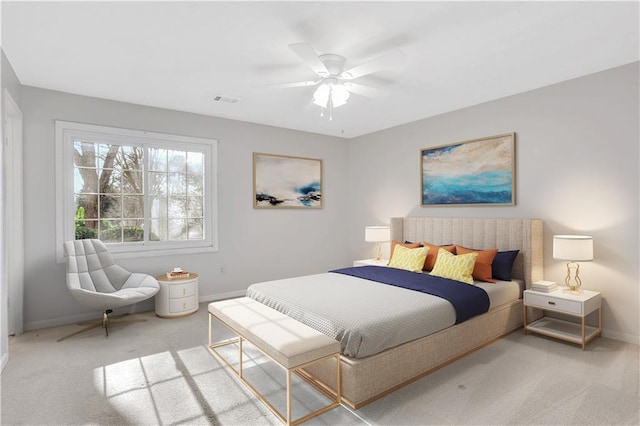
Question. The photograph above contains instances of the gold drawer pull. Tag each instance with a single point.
(184, 291)
(551, 303)
(184, 305)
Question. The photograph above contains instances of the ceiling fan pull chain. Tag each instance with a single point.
(330, 103)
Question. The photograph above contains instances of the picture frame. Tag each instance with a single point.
(477, 172)
(284, 181)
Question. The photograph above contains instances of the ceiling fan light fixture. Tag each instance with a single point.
(334, 82)
(339, 95)
(330, 95)
(321, 95)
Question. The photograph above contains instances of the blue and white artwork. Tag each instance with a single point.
(476, 172)
(284, 181)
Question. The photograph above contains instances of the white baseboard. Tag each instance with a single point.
(221, 296)
(149, 306)
(624, 337)
(140, 307)
(5, 359)
(54, 322)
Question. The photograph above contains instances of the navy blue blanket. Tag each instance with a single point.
(468, 300)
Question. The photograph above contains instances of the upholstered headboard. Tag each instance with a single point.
(504, 234)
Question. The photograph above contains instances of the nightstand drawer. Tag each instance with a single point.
(182, 304)
(182, 290)
(553, 303)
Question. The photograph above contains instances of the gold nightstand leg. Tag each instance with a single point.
(583, 337)
(600, 321)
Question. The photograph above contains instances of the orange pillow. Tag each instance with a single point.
(482, 268)
(407, 245)
(432, 255)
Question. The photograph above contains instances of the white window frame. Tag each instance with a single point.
(67, 132)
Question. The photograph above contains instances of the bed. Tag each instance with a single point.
(407, 344)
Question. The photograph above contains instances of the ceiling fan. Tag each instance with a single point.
(334, 82)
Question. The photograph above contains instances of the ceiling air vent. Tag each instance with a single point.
(228, 99)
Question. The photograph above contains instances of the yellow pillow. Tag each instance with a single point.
(409, 259)
(454, 267)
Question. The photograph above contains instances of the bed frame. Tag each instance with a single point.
(367, 379)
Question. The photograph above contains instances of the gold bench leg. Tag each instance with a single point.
(288, 397)
(240, 356)
(288, 420)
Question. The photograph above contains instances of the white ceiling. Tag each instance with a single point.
(180, 55)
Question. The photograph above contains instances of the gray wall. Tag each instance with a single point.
(255, 245)
(577, 161)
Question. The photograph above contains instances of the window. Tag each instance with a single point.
(136, 191)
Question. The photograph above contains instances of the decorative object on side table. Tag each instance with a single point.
(378, 235)
(574, 249)
(544, 286)
(177, 273)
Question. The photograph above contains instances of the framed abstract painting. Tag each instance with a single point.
(282, 181)
(476, 172)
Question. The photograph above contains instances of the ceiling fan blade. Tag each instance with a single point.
(387, 60)
(361, 89)
(296, 84)
(309, 57)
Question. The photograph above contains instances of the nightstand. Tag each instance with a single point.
(371, 262)
(578, 304)
(178, 297)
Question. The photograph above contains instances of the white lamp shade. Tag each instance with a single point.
(377, 234)
(576, 248)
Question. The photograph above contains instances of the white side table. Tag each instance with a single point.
(178, 297)
(578, 304)
(371, 262)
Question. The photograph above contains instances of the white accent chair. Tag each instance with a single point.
(97, 282)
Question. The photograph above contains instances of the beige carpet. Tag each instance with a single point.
(160, 372)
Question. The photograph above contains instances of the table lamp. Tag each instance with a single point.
(378, 235)
(574, 249)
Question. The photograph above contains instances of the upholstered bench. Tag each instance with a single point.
(286, 341)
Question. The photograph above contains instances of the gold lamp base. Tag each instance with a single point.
(577, 282)
(377, 251)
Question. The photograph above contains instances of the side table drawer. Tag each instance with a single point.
(182, 290)
(182, 304)
(553, 303)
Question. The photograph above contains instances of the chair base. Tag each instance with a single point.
(106, 319)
